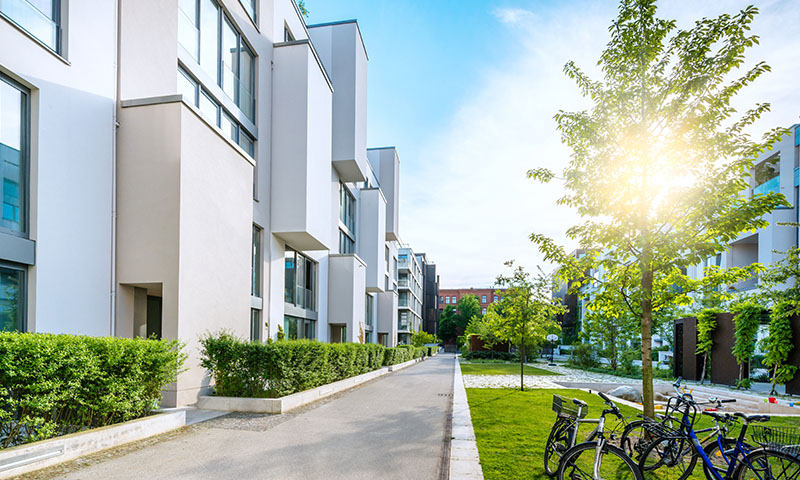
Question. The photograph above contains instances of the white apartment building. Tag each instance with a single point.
(409, 283)
(776, 170)
(189, 166)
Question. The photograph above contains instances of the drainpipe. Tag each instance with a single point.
(114, 127)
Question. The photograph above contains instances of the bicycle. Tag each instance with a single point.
(565, 430)
(635, 437)
(596, 458)
(735, 459)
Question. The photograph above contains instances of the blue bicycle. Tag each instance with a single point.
(673, 453)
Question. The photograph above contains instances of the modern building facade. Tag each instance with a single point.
(409, 283)
(430, 294)
(776, 170)
(486, 296)
(189, 166)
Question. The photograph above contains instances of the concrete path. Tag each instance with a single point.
(391, 428)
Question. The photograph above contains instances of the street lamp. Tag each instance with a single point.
(552, 338)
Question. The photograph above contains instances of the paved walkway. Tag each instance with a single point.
(391, 428)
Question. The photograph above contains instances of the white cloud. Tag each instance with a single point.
(513, 15)
(472, 207)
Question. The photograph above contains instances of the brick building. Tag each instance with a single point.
(486, 296)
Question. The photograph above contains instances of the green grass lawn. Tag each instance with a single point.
(500, 369)
(511, 428)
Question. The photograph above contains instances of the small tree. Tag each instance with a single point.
(447, 323)
(747, 318)
(421, 338)
(706, 324)
(609, 327)
(526, 314)
(780, 342)
(660, 160)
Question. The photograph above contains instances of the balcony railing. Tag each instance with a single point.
(32, 20)
(402, 326)
(771, 185)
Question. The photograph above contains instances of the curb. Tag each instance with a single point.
(27, 458)
(464, 458)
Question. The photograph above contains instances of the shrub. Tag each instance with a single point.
(489, 355)
(258, 370)
(57, 384)
(582, 355)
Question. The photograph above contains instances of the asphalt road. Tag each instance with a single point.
(390, 428)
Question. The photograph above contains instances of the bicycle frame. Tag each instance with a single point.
(732, 457)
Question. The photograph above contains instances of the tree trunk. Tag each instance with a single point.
(741, 374)
(703, 373)
(522, 366)
(647, 335)
(774, 379)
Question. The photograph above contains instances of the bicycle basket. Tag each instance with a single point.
(564, 407)
(661, 431)
(786, 439)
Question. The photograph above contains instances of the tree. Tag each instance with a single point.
(447, 323)
(467, 307)
(780, 286)
(706, 324)
(526, 314)
(746, 319)
(421, 338)
(660, 161)
(780, 342)
(609, 326)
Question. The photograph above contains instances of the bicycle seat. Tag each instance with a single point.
(753, 418)
(718, 416)
(578, 402)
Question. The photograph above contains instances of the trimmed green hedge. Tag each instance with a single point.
(53, 385)
(266, 370)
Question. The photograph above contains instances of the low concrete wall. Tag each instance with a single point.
(26, 458)
(400, 366)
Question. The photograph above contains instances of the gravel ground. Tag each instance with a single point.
(537, 381)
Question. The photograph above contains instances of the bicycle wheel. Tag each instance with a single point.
(718, 460)
(767, 464)
(613, 464)
(558, 442)
(668, 459)
(635, 438)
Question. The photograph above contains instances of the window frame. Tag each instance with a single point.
(23, 302)
(25, 158)
(255, 325)
(314, 270)
(256, 262)
(57, 17)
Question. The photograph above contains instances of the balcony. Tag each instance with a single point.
(371, 237)
(386, 165)
(301, 147)
(346, 284)
(32, 20)
(345, 58)
(771, 185)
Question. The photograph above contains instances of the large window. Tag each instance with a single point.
(13, 156)
(255, 280)
(251, 6)
(40, 18)
(210, 38)
(767, 170)
(296, 328)
(12, 298)
(299, 280)
(211, 110)
(347, 220)
(255, 325)
(369, 319)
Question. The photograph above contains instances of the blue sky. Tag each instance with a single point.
(466, 90)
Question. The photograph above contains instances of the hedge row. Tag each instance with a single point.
(266, 370)
(53, 385)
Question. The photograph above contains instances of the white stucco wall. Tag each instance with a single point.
(72, 129)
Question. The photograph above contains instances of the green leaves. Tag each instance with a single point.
(261, 370)
(57, 384)
(747, 319)
(780, 341)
